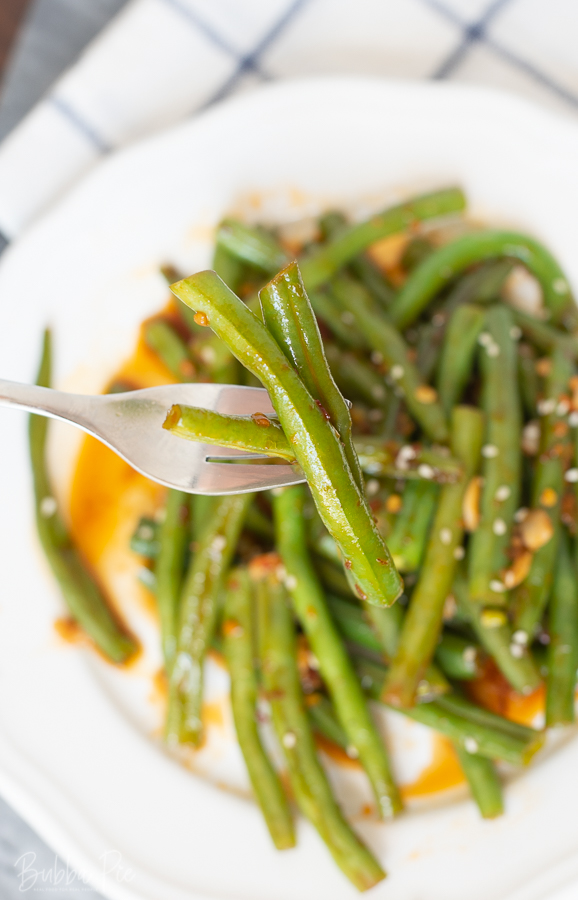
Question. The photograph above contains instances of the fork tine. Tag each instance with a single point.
(224, 478)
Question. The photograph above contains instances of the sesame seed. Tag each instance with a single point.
(573, 419)
(499, 527)
(521, 514)
(471, 745)
(347, 318)
(515, 332)
(571, 476)
(145, 532)
(48, 507)
(485, 338)
(397, 372)
(366, 682)
(520, 637)
(377, 357)
(490, 451)
(545, 407)
(502, 493)
(563, 408)
(493, 350)
(425, 471)
(560, 286)
(459, 553)
(378, 392)
(446, 536)
(290, 582)
(352, 752)
(289, 740)
(470, 654)
(516, 651)
(497, 586)
(372, 487)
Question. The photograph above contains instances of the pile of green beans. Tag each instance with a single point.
(434, 548)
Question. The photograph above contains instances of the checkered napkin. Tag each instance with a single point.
(162, 60)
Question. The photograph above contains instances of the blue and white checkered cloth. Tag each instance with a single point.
(162, 60)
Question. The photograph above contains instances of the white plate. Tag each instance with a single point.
(76, 756)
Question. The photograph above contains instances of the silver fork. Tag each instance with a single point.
(131, 425)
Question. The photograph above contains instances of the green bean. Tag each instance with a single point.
(317, 447)
(394, 460)
(384, 338)
(257, 522)
(313, 614)
(228, 267)
(483, 781)
(257, 434)
(501, 468)
(345, 332)
(251, 245)
(324, 721)
(333, 577)
(170, 273)
(429, 343)
(169, 569)
(145, 540)
(356, 377)
(530, 597)
(288, 316)
(202, 508)
(83, 596)
(370, 276)
(457, 657)
(563, 646)
(450, 260)
(473, 736)
(238, 628)
(467, 710)
(162, 338)
(308, 780)
(482, 285)
(544, 336)
(496, 636)
(458, 351)
(381, 636)
(423, 620)
(323, 263)
(198, 616)
(415, 252)
(409, 535)
(528, 379)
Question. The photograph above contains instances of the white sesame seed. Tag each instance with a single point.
(573, 419)
(493, 350)
(376, 357)
(366, 682)
(520, 637)
(499, 527)
(521, 514)
(497, 586)
(425, 471)
(515, 332)
(290, 582)
(502, 493)
(516, 651)
(560, 285)
(446, 536)
(485, 338)
(219, 543)
(347, 318)
(545, 407)
(470, 655)
(397, 372)
(563, 408)
(471, 745)
(378, 392)
(313, 662)
(459, 553)
(372, 487)
(490, 451)
(352, 752)
(48, 507)
(145, 532)
(289, 740)
(571, 476)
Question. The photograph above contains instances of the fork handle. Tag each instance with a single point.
(73, 408)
